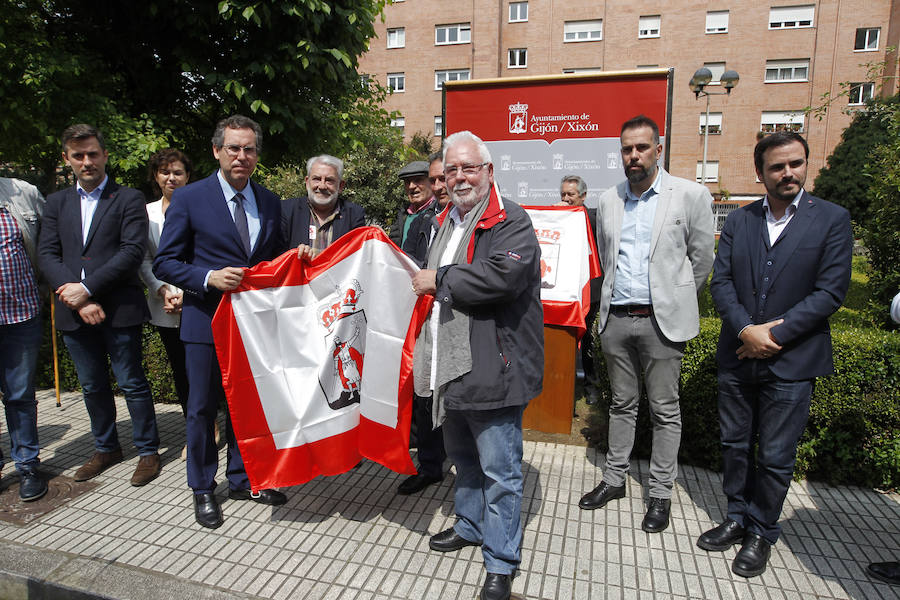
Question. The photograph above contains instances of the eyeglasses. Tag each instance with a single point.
(234, 150)
(452, 170)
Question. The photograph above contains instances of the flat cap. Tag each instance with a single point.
(417, 168)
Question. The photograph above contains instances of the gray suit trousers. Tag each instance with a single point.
(632, 345)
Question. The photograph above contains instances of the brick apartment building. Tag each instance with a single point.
(788, 55)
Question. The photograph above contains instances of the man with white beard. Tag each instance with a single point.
(313, 222)
(481, 355)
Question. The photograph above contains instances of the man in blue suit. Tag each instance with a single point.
(214, 229)
(782, 269)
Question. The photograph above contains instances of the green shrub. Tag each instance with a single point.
(853, 433)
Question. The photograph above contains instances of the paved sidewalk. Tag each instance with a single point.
(352, 537)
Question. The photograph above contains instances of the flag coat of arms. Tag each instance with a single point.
(316, 360)
(568, 263)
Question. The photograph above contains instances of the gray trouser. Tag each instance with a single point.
(631, 345)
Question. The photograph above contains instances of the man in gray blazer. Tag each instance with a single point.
(655, 241)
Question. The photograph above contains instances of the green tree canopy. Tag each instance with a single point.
(154, 73)
(845, 179)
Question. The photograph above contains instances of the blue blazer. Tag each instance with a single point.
(110, 257)
(295, 220)
(802, 279)
(198, 236)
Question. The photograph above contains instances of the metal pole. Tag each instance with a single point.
(705, 142)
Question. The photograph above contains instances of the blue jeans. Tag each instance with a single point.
(757, 408)
(19, 345)
(486, 447)
(89, 348)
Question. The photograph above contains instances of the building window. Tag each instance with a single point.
(438, 125)
(396, 82)
(396, 38)
(860, 92)
(518, 12)
(773, 121)
(712, 171)
(518, 58)
(721, 210)
(717, 69)
(867, 39)
(787, 70)
(398, 122)
(717, 21)
(715, 123)
(648, 27)
(450, 75)
(646, 67)
(583, 31)
(583, 70)
(791, 17)
(365, 80)
(460, 33)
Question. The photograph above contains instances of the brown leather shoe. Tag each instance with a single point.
(98, 463)
(148, 468)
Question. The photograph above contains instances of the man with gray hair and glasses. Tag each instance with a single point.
(482, 355)
(312, 222)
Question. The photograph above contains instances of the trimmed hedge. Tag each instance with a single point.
(853, 433)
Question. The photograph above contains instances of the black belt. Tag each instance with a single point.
(632, 310)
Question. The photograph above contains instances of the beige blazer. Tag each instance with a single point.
(158, 316)
(681, 252)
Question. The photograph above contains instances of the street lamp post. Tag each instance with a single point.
(699, 81)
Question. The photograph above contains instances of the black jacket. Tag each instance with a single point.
(295, 220)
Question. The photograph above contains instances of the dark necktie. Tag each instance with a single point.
(240, 221)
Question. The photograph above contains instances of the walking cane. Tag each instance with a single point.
(55, 353)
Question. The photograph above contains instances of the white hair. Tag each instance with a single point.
(467, 136)
(326, 159)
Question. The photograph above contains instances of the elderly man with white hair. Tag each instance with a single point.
(482, 355)
(311, 223)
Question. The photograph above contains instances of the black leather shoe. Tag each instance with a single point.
(496, 587)
(721, 538)
(888, 572)
(416, 483)
(32, 487)
(600, 495)
(449, 541)
(657, 517)
(207, 510)
(270, 497)
(752, 558)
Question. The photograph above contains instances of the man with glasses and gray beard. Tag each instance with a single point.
(482, 355)
(311, 223)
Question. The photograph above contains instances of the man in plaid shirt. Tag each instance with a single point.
(21, 206)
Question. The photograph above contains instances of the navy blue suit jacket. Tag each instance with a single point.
(198, 236)
(110, 257)
(295, 220)
(807, 280)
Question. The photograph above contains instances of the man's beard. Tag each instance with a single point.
(636, 176)
(318, 200)
(785, 196)
(470, 196)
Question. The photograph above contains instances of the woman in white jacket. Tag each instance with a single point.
(169, 170)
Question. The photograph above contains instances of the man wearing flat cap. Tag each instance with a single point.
(418, 192)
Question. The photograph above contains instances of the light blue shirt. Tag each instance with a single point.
(632, 282)
(249, 206)
(89, 202)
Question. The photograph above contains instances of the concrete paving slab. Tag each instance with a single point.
(351, 536)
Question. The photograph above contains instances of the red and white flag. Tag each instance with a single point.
(316, 360)
(568, 263)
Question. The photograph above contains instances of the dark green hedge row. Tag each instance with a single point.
(853, 434)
